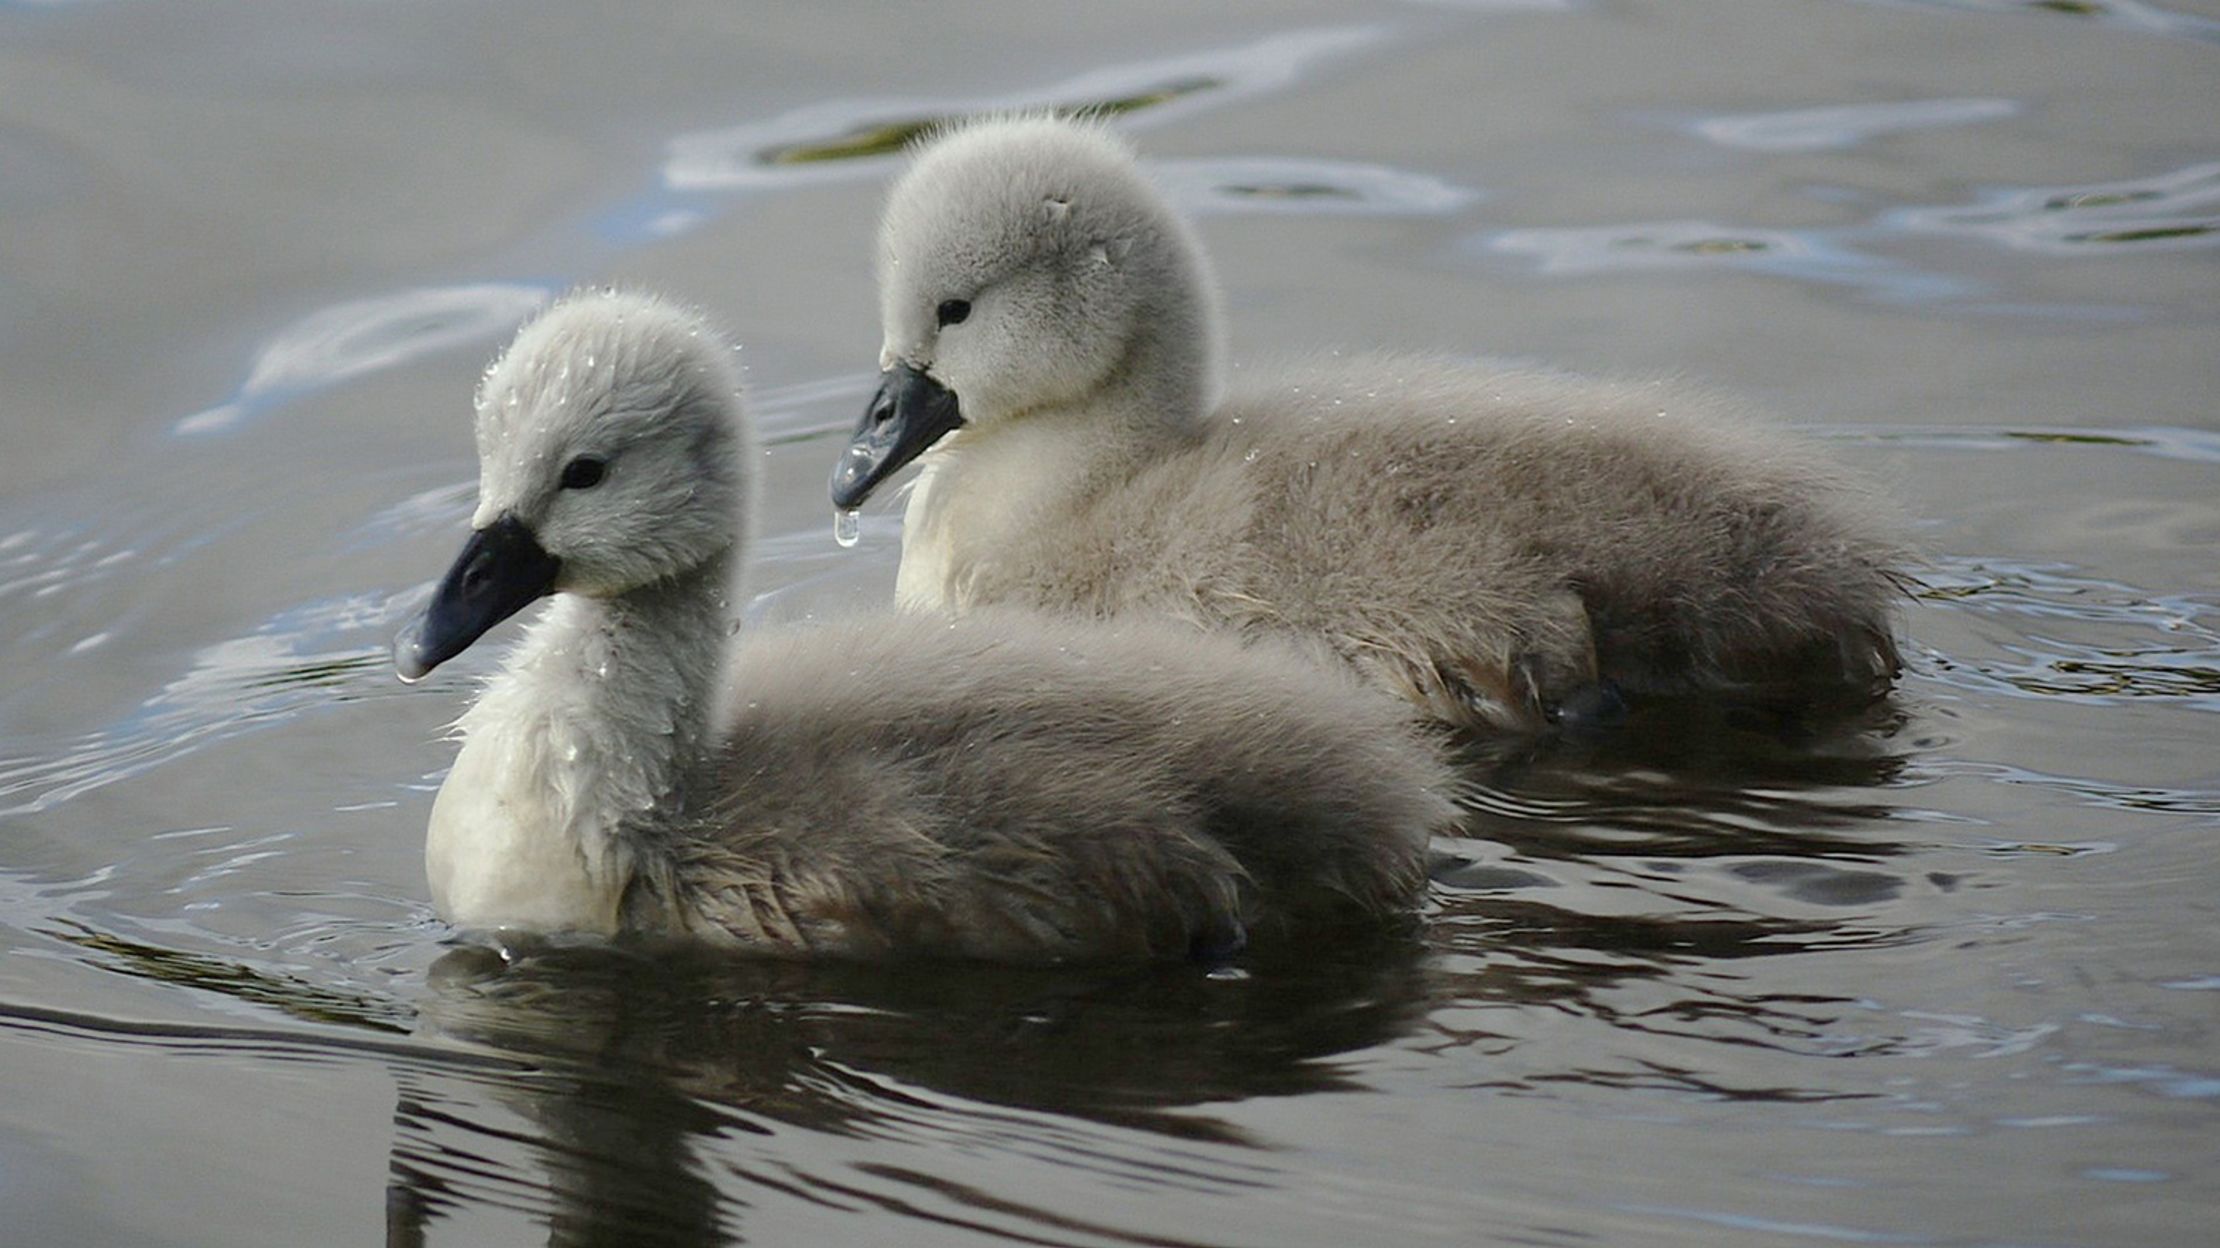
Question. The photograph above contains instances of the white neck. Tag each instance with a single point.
(993, 484)
(598, 726)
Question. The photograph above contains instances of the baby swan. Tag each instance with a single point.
(1004, 788)
(1502, 548)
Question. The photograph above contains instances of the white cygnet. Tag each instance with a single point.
(1506, 549)
(1007, 787)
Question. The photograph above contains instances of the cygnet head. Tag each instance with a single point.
(1026, 264)
(611, 456)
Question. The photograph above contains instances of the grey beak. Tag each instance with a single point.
(910, 412)
(502, 569)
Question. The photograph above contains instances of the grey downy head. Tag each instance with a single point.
(609, 457)
(1019, 258)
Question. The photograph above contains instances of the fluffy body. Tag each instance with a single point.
(1011, 788)
(1493, 545)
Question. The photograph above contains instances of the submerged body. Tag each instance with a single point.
(1009, 788)
(1499, 547)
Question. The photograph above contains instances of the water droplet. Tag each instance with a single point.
(406, 664)
(847, 526)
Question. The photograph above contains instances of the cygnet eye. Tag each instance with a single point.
(584, 472)
(953, 311)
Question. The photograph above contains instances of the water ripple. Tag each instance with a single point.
(42, 562)
(851, 138)
(2122, 14)
(1507, 6)
(2077, 638)
(2163, 213)
(2168, 212)
(235, 686)
(2145, 799)
(2195, 446)
(1808, 255)
(363, 335)
(440, 510)
(1816, 129)
(1269, 184)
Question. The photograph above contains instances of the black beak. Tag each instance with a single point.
(502, 569)
(910, 412)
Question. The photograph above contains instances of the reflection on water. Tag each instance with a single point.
(833, 140)
(649, 1060)
(287, 994)
(1845, 125)
(891, 138)
(1805, 255)
(2122, 14)
(2170, 212)
(2200, 446)
(363, 335)
(42, 562)
(1264, 184)
(2174, 210)
(2080, 638)
(236, 686)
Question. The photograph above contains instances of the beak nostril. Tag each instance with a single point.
(911, 411)
(500, 570)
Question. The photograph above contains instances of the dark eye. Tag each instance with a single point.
(584, 473)
(953, 311)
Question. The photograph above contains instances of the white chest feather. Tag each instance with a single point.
(507, 846)
(581, 742)
(985, 493)
(928, 554)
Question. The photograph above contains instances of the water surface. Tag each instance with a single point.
(1949, 976)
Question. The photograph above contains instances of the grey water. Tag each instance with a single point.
(1949, 976)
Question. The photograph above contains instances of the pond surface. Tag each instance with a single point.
(1950, 978)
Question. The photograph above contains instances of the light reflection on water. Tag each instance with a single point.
(243, 685)
(2132, 15)
(857, 139)
(1845, 125)
(849, 140)
(2169, 212)
(363, 335)
(1807, 255)
(1264, 184)
(2163, 213)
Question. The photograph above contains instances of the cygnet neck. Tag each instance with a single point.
(600, 728)
(637, 674)
(1171, 364)
(1157, 394)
